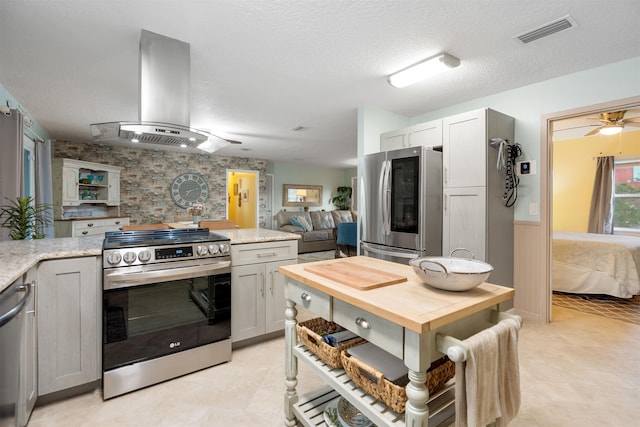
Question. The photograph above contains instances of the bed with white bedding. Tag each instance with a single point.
(588, 263)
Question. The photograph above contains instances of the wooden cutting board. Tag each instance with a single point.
(356, 276)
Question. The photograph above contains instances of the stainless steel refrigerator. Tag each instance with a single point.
(401, 212)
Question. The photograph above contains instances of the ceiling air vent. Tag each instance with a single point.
(545, 30)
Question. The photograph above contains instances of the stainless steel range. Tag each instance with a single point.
(166, 306)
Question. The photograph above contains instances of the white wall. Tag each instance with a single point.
(527, 105)
(329, 178)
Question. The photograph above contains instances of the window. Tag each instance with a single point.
(626, 197)
(29, 168)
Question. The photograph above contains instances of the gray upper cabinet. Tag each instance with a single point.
(69, 327)
(475, 216)
(428, 134)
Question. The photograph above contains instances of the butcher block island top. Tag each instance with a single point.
(410, 303)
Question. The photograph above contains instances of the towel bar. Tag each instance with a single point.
(455, 348)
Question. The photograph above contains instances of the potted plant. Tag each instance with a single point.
(343, 200)
(25, 219)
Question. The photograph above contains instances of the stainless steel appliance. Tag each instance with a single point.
(401, 213)
(13, 303)
(166, 305)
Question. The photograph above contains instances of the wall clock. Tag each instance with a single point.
(188, 188)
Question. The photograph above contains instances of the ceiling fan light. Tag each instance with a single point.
(611, 130)
(423, 70)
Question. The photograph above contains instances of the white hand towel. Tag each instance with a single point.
(487, 384)
(509, 372)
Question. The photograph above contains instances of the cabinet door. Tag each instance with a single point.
(114, 189)
(427, 134)
(68, 323)
(28, 385)
(247, 301)
(465, 149)
(464, 221)
(275, 298)
(393, 140)
(70, 194)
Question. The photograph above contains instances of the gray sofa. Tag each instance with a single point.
(322, 233)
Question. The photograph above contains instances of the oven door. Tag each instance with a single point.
(154, 311)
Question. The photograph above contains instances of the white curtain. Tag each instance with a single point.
(11, 161)
(44, 189)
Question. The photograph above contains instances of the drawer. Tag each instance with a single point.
(381, 332)
(114, 224)
(311, 299)
(252, 253)
(88, 227)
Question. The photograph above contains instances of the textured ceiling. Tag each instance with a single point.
(262, 67)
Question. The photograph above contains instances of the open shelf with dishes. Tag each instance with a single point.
(85, 191)
(87, 185)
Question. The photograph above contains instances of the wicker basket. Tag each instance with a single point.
(394, 396)
(310, 332)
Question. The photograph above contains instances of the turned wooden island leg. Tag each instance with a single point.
(416, 409)
(291, 363)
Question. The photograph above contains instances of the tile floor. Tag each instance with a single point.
(580, 370)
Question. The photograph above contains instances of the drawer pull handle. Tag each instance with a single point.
(117, 222)
(90, 224)
(267, 254)
(305, 297)
(362, 322)
(85, 232)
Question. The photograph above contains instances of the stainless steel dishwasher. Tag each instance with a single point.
(13, 301)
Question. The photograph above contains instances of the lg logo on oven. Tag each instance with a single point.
(174, 344)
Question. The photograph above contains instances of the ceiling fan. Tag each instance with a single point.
(613, 122)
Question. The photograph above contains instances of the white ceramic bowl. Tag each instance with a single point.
(451, 274)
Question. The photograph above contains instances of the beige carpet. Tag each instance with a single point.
(627, 310)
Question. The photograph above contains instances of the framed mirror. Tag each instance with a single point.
(301, 195)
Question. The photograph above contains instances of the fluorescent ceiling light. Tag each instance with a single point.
(422, 70)
(611, 130)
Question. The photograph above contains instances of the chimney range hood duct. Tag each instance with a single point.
(163, 110)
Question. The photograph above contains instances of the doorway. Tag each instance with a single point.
(546, 184)
(243, 197)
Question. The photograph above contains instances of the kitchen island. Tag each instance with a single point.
(404, 319)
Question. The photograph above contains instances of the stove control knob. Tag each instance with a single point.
(144, 256)
(129, 257)
(114, 258)
(213, 249)
(224, 248)
(202, 250)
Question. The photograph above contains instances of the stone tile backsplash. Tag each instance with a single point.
(148, 173)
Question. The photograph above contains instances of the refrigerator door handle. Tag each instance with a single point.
(406, 255)
(382, 187)
(386, 200)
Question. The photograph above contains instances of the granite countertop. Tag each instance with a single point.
(255, 235)
(18, 256)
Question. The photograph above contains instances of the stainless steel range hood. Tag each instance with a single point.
(163, 109)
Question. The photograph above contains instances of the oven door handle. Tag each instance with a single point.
(116, 280)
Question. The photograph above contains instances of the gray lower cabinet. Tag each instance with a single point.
(257, 288)
(69, 327)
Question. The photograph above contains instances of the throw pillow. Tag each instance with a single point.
(296, 221)
(305, 222)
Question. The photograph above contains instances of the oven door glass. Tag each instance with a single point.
(145, 322)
